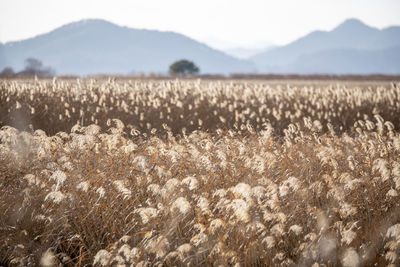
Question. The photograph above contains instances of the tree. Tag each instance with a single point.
(34, 66)
(183, 67)
(7, 71)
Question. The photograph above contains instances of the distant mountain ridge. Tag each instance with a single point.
(2, 53)
(97, 46)
(333, 51)
(349, 61)
(246, 53)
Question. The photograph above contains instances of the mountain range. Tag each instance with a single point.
(350, 48)
(97, 46)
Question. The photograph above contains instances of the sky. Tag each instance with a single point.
(222, 24)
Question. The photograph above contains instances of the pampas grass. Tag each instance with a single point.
(199, 173)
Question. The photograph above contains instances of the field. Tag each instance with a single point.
(199, 173)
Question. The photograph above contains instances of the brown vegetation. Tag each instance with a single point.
(195, 173)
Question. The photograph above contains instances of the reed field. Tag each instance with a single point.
(199, 173)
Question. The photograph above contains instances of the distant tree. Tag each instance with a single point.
(34, 66)
(183, 67)
(7, 71)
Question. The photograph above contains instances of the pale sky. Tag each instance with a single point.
(220, 23)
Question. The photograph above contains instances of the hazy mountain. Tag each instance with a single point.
(2, 56)
(246, 53)
(349, 61)
(98, 46)
(352, 43)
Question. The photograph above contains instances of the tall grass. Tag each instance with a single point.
(195, 173)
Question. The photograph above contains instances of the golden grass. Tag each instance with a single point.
(195, 173)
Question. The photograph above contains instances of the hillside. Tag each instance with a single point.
(349, 61)
(314, 52)
(98, 46)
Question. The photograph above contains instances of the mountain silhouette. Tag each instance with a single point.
(2, 54)
(349, 61)
(97, 46)
(352, 43)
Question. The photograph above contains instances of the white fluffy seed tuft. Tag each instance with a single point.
(181, 205)
(102, 258)
(350, 258)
